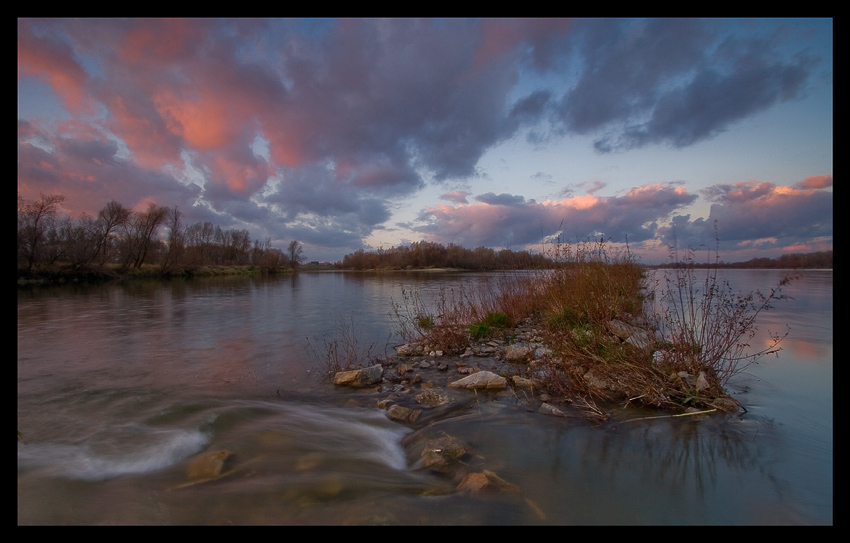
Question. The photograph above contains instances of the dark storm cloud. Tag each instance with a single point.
(673, 81)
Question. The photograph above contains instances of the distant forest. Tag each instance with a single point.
(820, 260)
(424, 254)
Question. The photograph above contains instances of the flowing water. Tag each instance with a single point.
(120, 386)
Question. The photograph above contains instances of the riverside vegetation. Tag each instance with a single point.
(607, 330)
(54, 247)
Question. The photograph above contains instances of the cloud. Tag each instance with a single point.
(673, 81)
(815, 182)
(358, 115)
(456, 196)
(757, 210)
(510, 220)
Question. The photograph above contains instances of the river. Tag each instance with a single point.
(119, 386)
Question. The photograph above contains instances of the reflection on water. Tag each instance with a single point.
(119, 387)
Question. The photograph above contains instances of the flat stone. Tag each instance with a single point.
(481, 379)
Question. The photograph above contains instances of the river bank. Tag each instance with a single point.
(58, 275)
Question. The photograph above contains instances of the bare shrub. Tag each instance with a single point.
(706, 326)
(342, 351)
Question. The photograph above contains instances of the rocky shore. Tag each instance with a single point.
(422, 387)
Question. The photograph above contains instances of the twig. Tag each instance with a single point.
(671, 416)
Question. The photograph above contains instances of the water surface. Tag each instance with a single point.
(119, 386)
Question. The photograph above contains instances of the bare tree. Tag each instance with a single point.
(140, 231)
(35, 219)
(295, 253)
(176, 241)
(112, 217)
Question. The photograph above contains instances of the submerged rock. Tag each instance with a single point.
(432, 398)
(486, 482)
(207, 465)
(442, 452)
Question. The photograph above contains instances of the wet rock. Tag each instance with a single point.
(726, 403)
(207, 465)
(403, 414)
(441, 453)
(432, 398)
(360, 377)
(481, 379)
(486, 482)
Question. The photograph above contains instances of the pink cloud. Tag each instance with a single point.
(816, 182)
(56, 64)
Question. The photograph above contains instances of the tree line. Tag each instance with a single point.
(123, 240)
(424, 254)
(816, 260)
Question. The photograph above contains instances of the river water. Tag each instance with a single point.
(120, 386)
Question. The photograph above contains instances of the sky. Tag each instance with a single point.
(349, 134)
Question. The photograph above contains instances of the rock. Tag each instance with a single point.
(360, 377)
(432, 398)
(486, 482)
(481, 379)
(522, 382)
(208, 465)
(515, 353)
(726, 403)
(442, 452)
(403, 414)
(406, 350)
(385, 403)
(597, 380)
(635, 335)
(702, 382)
